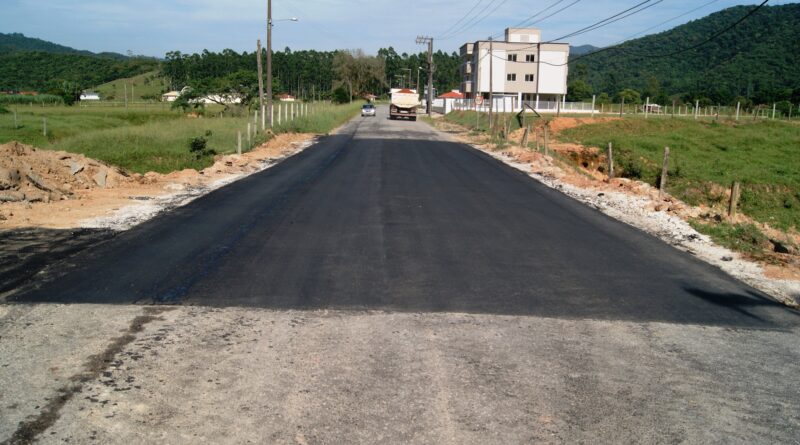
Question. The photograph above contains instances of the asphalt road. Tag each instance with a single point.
(388, 285)
(391, 215)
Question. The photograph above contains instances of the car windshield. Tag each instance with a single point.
(368, 107)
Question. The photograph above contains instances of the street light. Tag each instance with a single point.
(269, 57)
(404, 76)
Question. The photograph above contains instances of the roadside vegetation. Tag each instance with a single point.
(706, 157)
(153, 139)
(147, 86)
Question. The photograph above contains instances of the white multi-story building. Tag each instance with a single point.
(523, 69)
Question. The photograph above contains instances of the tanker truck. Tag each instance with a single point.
(404, 104)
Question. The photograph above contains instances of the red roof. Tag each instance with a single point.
(451, 95)
(406, 90)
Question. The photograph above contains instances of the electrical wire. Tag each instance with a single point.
(473, 23)
(461, 19)
(674, 53)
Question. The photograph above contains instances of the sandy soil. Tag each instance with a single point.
(59, 190)
(639, 204)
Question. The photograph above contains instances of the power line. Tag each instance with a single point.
(609, 20)
(473, 23)
(523, 23)
(668, 20)
(461, 19)
(714, 36)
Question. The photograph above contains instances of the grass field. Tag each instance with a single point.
(706, 157)
(139, 87)
(155, 139)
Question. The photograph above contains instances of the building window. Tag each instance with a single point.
(529, 78)
(511, 77)
(530, 57)
(512, 57)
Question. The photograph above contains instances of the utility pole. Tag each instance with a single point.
(491, 83)
(269, 61)
(260, 82)
(429, 40)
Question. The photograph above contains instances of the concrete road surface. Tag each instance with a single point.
(390, 286)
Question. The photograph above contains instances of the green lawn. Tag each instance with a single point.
(706, 157)
(154, 139)
(144, 85)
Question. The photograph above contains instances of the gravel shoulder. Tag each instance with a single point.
(194, 374)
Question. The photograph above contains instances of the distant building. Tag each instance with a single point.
(524, 69)
(172, 96)
(286, 97)
(89, 95)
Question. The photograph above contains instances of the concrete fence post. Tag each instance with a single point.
(662, 188)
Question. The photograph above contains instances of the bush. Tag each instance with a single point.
(198, 146)
(3, 110)
(340, 96)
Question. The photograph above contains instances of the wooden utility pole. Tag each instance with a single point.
(260, 82)
(610, 160)
(429, 41)
(269, 61)
(621, 106)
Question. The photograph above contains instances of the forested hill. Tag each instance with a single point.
(757, 60)
(33, 64)
(16, 42)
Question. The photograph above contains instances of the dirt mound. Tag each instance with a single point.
(565, 123)
(28, 174)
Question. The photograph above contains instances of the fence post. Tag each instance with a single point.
(263, 117)
(280, 107)
(621, 106)
(664, 167)
(738, 106)
(525, 136)
(734, 202)
(610, 161)
(249, 139)
(774, 105)
(696, 109)
(546, 137)
(44, 126)
(594, 97)
(647, 108)
(239, 143)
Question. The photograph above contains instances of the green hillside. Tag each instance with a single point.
(16, 42)
(756, 60)
(28, 63)
(145, 86)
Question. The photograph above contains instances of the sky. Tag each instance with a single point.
(153, 27)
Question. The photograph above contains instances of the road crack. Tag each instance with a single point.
(29, 430)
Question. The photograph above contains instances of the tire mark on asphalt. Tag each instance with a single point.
(28, 431)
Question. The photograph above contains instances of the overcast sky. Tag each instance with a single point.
(153, 27)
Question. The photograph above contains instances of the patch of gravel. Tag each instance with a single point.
(637, 212)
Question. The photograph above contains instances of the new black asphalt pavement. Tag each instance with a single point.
(392, 215)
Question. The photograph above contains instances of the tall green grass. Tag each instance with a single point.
(705, 157)
(152, 140)
(19, 99)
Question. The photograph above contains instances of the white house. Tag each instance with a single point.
(89, 95)
(171, 96)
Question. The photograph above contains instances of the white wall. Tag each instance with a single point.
(499, 70)
(553, 79)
